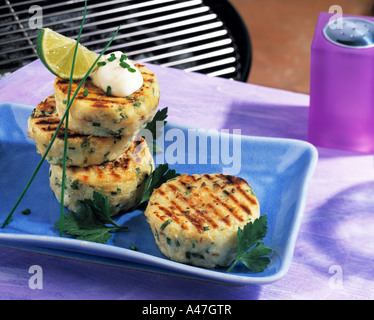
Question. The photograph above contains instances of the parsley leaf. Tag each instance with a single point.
(159, 176)
(251, 249)
(154, 128)
(91, 221)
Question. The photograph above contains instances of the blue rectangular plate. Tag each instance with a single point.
(279, 170)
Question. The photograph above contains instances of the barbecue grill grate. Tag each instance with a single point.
(185, 34)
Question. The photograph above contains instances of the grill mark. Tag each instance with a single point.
(98, 171)
(91, 97)
(97, 96)
(48, 121)
(71, 135)
(209, 177)
(225, 219)
(49, 128)
(230, 209)
(238, 181)
(119, 164)
(161, 192)
(109, 168)
(246, 195)
(39, 115)
(61, 132)
(207, 219)
(169, 214)
(183, 226)
(195, 222)
(245, 208)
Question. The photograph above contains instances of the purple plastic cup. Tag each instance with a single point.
(341, 113)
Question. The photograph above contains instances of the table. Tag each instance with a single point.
(334, 253)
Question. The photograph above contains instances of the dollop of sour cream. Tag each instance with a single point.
(117, 75)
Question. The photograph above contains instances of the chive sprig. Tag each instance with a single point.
(63, 182)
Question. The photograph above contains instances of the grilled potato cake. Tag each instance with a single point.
(195, 219)
(82, 150)
(95, 113)
(122, 180)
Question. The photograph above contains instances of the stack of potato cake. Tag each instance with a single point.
(104, 153)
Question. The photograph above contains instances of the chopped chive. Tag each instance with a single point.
(138, 170)
(124, 116)
(108, 90)
(101, 63)
(165, 224)
(85, 143)
(132, 247)
(85, 93)
(197, 255)
(124, 65)
(96, 124)
(123, 57)
(112, 57)
(137, 104)
(26, 211)
(132, 70)
(206, 228)
(74, 185)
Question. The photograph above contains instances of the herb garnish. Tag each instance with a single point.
(152, 126)
(124, 65)
(91, 221)
(165, 224)
(251, 249)
(160, 175)
(112, 57)
(26, 211)
(108, 90)
(155, 128)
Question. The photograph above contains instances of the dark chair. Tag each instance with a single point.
(206, 36)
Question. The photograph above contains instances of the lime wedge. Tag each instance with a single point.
(57, 51)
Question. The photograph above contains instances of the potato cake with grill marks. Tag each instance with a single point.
(122, 180)
(82, 150)
(94, 113)
(195, 218)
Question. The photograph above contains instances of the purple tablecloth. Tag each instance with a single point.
(334, 253)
